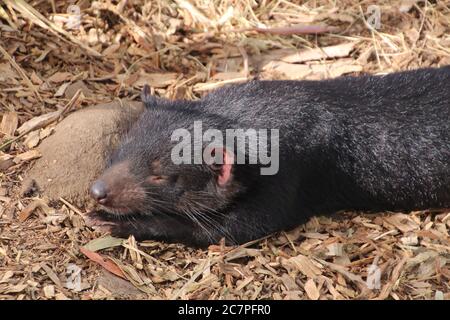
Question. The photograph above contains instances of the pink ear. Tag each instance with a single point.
(224, 168)
(225, 172)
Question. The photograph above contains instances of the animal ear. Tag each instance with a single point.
(221, 161)
(147, 98)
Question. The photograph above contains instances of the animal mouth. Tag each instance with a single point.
(103, 218)
(94, 219)
(117, 210)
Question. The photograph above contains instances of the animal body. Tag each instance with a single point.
(370, 143)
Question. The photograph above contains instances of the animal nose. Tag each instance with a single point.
(99, 191)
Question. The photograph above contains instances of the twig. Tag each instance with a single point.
(211, 263)
(35, 16)
(290, 30)
(54, 118)
(22, 74)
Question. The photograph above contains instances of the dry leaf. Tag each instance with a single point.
(103, 243)
(26, 213)
(105, 262)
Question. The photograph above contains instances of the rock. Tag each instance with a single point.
(74, 155)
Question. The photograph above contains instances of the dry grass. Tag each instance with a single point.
(184, 48)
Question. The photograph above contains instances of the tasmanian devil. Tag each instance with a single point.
(370, 143)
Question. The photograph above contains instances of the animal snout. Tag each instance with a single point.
(99, 192)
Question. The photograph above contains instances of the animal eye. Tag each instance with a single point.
(215, 167)
(157, 179)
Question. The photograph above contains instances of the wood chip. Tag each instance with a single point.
(314, 71)
(62, 89)
(74, 87)
(296, 29)
(60, 77)
(411, 240)
(26, 213)
(51, 274)
(38, 122)
(183, 49)
(9, 123)
(337, 51)
(289, 282)
(402, 222)
(5, 164)
(32, 139)
(304, 265)
(386, 290)
(335, 249)
(244, 283)
(49, 291)
(156, 80)
(27, 156)
(311, 290)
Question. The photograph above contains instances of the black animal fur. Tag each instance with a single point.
(371, 143)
